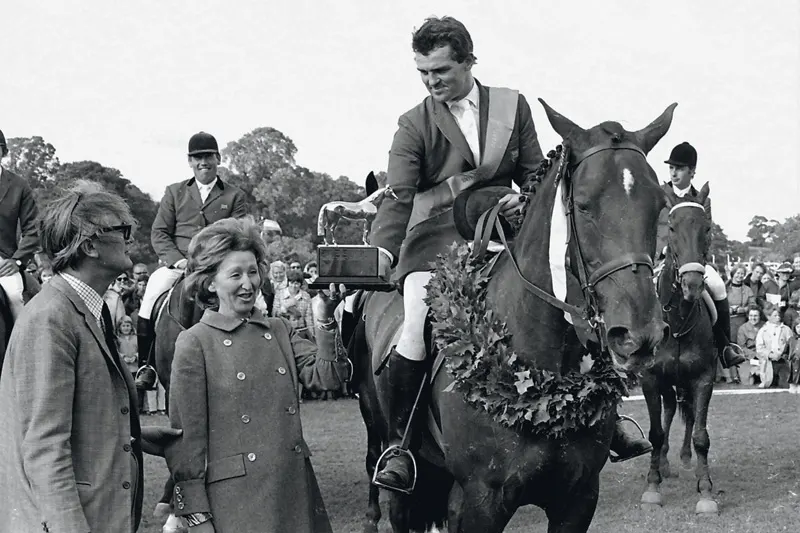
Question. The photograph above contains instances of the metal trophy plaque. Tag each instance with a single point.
(355, 265)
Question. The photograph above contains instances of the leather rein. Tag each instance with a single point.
(589, 281)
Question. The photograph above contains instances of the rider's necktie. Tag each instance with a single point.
(469, 127)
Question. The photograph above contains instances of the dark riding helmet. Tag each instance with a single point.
(683, 155)
(203, 143)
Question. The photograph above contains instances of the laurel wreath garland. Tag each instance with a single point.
(477, 353)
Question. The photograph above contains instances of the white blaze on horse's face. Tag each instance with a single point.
(627, 181)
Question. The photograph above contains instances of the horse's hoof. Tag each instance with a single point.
(651, 500)
(666, 471)
(686, 463)
(706, 506)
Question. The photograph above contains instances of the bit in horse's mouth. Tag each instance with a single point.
(635, 361)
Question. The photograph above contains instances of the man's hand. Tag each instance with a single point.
(156, 438)
(512, 206)
(384, 265)
(8, 267)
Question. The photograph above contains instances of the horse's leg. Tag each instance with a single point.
(702, 397)
(398, 512)
(365, 232)
(575, 513)
(670, 406)
(477, 508)
(687, 411)
(650, 389)
(373, 515)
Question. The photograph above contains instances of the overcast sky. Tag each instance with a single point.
(127, 84)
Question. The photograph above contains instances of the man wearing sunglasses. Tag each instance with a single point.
(17, 208)
(72, 443)
(187, 207)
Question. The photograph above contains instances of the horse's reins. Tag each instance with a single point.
(589, 282)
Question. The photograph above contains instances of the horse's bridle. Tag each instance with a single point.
(588, 281)
(700, 268)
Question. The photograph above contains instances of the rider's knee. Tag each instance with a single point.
(715, 285)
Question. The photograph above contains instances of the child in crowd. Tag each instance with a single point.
(772, 346)
(128, 348)
(45, 274)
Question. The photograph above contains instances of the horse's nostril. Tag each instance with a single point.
(617, 335)
(666, 331)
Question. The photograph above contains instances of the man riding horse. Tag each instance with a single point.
(187, 207)
(682, 165)
(17, 208)
(465, 136)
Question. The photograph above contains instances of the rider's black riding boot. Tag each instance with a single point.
(626, 447)
(730, 354)
(405, 380)
(144, 339)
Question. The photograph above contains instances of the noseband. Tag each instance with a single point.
(589, 282)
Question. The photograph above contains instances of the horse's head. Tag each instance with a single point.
(689, 241)
(379, 195)
(612, 200)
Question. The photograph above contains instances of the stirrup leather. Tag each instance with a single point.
(395, 450)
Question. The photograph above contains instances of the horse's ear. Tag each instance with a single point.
(561, 124)
(703, 195)
(648, 136)
(671, 199)
(371, 184)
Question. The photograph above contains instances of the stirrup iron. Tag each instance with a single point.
(613, 457)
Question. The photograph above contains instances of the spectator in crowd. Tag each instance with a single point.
(140, 272)
(796, 267)
(128, 350)
(794, 360)
(45, 274)
(792, 314)
(768, 292)
(295, 306)
(740, 298)
(113, 299)
(312, 270)
(277, 490)
(277, 276)
(785, 285)
(753, 280)
(746, 337)
(772, 346)
(134, 298)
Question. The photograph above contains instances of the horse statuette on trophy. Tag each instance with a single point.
(355, 265)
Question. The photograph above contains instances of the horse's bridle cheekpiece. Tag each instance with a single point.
(591, 311)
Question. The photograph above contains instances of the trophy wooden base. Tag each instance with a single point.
(354, 265)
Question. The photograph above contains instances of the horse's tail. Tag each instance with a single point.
(321, 221)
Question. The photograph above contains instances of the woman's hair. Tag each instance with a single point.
(212, 244)
(794, 299)
(69, 219)
(762, 266)
(126, 320)
(737, 268)
(770, 308)
(753, 307)
(294, 275)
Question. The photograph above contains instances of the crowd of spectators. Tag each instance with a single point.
(765, 321)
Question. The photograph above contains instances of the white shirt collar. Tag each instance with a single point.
(473, 97)
(680, 193)
(206, 187)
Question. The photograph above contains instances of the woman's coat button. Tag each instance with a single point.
(251, 457)
(240, 376)
(281, 370)
(227, 342)
(267, 336)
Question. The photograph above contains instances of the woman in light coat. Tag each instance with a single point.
(772, 345)
(243, 464)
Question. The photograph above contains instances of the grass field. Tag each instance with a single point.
(754, 457)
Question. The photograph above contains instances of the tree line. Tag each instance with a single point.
(261, 163)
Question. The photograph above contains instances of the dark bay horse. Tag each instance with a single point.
(487, 471)
(30, 286)
(682, 375)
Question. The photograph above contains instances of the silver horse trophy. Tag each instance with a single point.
(355, 265)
